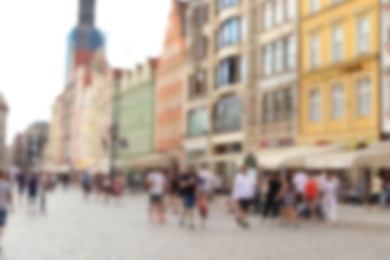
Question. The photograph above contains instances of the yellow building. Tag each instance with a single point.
(340, 84)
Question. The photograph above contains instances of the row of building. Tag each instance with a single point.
(274, 81)
(28, 148)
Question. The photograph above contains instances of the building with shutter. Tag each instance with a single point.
(340, 63)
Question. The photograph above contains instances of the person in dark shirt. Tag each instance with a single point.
(21, 179)
(273, 196)
(174, 191)
(33, 188)
(188, 183)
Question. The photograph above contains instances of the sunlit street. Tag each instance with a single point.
(75, 229)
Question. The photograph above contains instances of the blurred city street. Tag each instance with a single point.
(75, 229)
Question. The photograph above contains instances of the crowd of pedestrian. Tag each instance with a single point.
(185, 193)
(103, 186)
(288, 198)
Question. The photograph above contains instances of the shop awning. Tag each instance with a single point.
(148, 161)
(291, 157)
(375, 159)
(372, 157)
(237, 159)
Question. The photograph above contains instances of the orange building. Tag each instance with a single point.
(170, 88)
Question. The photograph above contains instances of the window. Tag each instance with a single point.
(243, 68)
(338, 101)
(266, 104)
(288, 103)
(197, 122)
(198, 16)
(364, 97)
(267, 60)
(337, 44)
(291, 11)
(223, 4)
(291, 50)
(228, 115)
(314, 6)
(268, 16)
(315, 106)
(363, 36)
(229, 33)
(278, 56)
(279, 8)
(277, 106)
(314, 55)
(200, 47)
(198, 84)
(229, 71)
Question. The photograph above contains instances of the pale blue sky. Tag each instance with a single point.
(33, 47)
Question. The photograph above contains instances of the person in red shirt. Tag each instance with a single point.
(311, 195)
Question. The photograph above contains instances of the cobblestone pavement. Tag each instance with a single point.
(78, 230)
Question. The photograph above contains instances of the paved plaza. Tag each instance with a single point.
(77, 230)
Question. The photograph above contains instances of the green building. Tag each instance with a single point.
(135, 115)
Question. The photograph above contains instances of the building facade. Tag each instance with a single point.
(385, 47)
(196, 105)
(55, 145)
(278, 72)
(19, 154)
(170, 87)
(67, 119)
(340, 83)
(134, 115)
(221, 80)
(100, 112)
(36, 137)
(3, 132)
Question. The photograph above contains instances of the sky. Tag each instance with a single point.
(33, 48)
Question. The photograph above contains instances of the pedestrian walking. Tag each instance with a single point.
(157, 183)
(5, 203)
(33, 189)
(273, 197)
(203, 200)
(312, 196)
(87, 185)
(209, 181)
(44, 183)
(376, 190)
(107, 188)
(299, 181)
(289, 203)
(21, 180)
(243, 193)
(119, 184)
(330, 190)
(174, 191)
(188, 185)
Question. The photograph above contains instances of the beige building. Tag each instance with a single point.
(99, 121)
(277, 72)
(221, 114)
(3, 127)
(55, 147)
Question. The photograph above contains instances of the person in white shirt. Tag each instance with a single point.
(209, 181)
(157, 183)
(243, 193)
(330, 188)
(299, 181)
